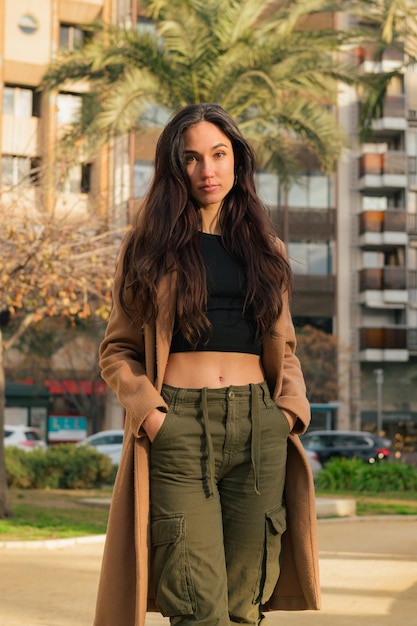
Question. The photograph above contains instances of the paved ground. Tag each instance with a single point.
(368, 575)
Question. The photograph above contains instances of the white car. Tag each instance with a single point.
(314, 461)
(107, 442)
(23, 437)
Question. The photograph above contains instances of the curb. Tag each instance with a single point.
(54, 544)
(51, 544)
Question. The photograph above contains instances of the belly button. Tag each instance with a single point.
(221, 379)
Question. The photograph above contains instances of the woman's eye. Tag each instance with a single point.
(189, 158)
(219, 155)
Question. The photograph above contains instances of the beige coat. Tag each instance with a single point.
(133, 364)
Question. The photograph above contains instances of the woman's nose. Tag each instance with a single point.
(207, 170)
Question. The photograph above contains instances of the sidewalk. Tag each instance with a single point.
(368, 575)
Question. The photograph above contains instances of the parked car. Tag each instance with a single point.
(314, 461)
(24, 437)
(328, 444)
(107, 442)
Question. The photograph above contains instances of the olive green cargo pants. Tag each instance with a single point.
(217, 479)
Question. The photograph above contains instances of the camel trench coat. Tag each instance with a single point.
(133, 361)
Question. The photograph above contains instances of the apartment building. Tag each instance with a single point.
(382, 257)
(31, 34)
(351, 237)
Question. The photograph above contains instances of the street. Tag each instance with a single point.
(368, 572)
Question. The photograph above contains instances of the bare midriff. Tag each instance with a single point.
(196, 370)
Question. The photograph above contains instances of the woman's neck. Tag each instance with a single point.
(210, 221)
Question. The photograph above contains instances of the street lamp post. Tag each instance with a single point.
(379, 373)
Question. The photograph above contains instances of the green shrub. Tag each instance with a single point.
(63, 466)
(355, 475)
(18, 468)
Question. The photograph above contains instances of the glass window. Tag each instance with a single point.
(312, 190)
(142, 176)
(297, 195)
(310, 258)
(372, 260)
(8, 101)
(412, 142)
(7, 171)
(28, 24)
(14, 170)
(144, 25)
(18, 101)
(69, 107)
(70, 37)
(318, 192)
(267, 184)
(374, 203)
(318, 261)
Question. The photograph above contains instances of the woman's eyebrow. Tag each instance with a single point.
(218, 145)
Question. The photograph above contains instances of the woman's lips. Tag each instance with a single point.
(209, 188)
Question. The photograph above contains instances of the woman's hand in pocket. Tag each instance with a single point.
(153, 422)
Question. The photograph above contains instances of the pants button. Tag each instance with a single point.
(231, 395)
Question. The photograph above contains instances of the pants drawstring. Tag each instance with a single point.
(256, 438)
(211, 466)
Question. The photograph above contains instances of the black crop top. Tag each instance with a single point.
(232, 331)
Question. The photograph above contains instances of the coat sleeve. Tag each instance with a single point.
(291, 394)
(122, 360)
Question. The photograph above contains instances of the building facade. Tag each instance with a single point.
(351, 237)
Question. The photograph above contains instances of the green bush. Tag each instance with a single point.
(355, 475)
(63, 466)
(18, 468)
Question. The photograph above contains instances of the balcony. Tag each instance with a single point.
(375, 62)
(393, 117)
(79, 11)
(384, 344)
(383, 287)
(313, 295)
(383, 170)
(305, 223)
(378, 229)
(20, 135)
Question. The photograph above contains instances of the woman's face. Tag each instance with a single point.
(210, 164)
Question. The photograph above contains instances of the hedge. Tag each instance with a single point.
(63, 466)
(340, 474)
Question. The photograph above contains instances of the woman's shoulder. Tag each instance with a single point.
(279, 245)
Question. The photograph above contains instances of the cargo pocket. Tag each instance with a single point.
(174, 593)
(275, 525)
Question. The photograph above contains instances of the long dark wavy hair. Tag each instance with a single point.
(166, 235)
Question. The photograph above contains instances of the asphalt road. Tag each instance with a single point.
(368, 569)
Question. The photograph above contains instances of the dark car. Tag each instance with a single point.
(328, 444)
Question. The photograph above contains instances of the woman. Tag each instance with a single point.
(200, 352)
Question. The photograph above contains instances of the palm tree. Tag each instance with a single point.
(250, 56)
(384, 24)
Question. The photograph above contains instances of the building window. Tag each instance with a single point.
(20, 102)
(14, 170)
(267, 184)
(383, 203)
(145, 26)
(71, 37)
(28, 24)
(85, 177)
(73, 179)
(142, 176)
(310, 258)
(68, 108)
(310, 191)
